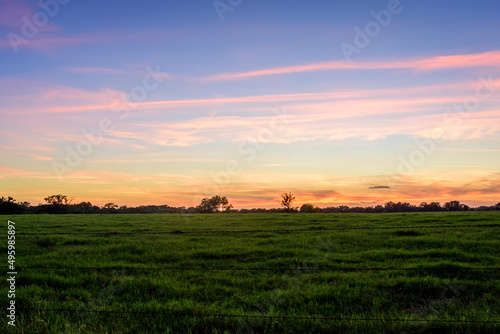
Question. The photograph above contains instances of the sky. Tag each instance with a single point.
(166, 102)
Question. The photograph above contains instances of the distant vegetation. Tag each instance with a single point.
(214, 204)
(62, 204)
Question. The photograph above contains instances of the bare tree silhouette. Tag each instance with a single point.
(287, 201)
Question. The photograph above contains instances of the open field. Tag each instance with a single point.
(263, 265)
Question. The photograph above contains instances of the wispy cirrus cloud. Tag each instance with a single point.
(99, 70)
(55, 99)
(103, 70)
(6, 172)
(422, 95)
(491, 58)
(165, 137)
(318, 195)
(13, 14)
(49, 44)
(324, 122)
(485, 59)
(16, 15)
(368, 114)
(96, 106)
(32, 156)
(20, 17)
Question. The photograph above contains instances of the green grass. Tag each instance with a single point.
(425, 294)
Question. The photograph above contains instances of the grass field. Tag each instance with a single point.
(275, 265)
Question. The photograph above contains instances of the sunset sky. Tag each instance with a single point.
(166, 102)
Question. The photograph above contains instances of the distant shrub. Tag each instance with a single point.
(309, 208)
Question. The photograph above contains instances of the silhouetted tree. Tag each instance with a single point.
(390, 206)
(214, 204)
(57, 199)
(8, 199)
(61, 204)
(192, 210)
(399, 207)
(56, 204)
(221, 203)
(85, 205)
(434, 206)
(343, 208)
(309, 208)
(452, 205)
(9, 206)
(456, 206)
(287, 201)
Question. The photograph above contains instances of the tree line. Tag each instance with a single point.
(62, 204)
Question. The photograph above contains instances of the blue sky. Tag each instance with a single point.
(219, 86)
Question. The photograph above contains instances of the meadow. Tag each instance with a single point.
(257, 273)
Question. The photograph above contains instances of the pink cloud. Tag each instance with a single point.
(32, 156)
(94, 70)
(114, 96)
(39, 157)
(49, 44)
(58, 99)
(327, 120)
(99, 70)
(6, 172)
(335, 117)
(11, 12)
(434, 63)
(165, 137)
(71, 100)
(314, 195)
(14, 13)
(491, 58)
(217, 101)
(17, 13)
